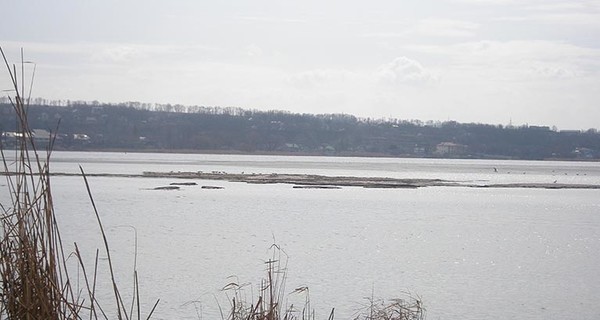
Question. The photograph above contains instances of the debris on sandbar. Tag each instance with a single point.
(167, 188)
(315, 187)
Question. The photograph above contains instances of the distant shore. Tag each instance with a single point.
(318, 154)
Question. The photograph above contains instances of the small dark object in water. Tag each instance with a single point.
(167, 188)
(316, 187)
(184, 184)
(211, 187)
(391, 186)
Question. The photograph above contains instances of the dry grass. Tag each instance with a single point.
(408, 308)
(35, 278)
(271, 303)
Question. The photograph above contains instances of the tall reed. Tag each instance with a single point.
(271, 301)
(34, 274)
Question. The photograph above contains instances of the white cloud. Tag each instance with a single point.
(513, 59)
(530, 81)
(563, 6)
(488, 2)
(253, 50)
(551, 71)
(267, 19)
(43, 47)
(564, 18)
(319, 77)
(446, 28)
(116, 54)
(429, 27)
(403, 70)
(99, 53)
(552, 12)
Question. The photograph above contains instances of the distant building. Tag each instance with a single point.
(419, 151)
(570, 131)
(327, 149)
(290, 147)
(450, 149)
(40, 135)
(584, 153)
(9, 138)
(540, 128)
(81, 137)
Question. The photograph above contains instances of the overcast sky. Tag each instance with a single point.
(533, 62)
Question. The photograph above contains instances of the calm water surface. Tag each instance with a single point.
(469, 253)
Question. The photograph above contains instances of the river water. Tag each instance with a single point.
(469, 253)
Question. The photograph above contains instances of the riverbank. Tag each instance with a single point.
(340, 154)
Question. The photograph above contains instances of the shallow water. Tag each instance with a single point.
(469, 253)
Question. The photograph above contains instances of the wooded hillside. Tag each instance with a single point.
(135, 126)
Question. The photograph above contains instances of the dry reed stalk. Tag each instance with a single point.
(35, 281)
(271, 305)
(408, 308)
(271, 302)
(33, 268)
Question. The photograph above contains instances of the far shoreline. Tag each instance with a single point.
(314, 154)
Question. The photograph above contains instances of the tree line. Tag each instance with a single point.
(164, 127)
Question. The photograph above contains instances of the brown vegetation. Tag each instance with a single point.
(35, 278)
(271, 303)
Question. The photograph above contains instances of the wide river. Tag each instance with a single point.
(469, 253)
